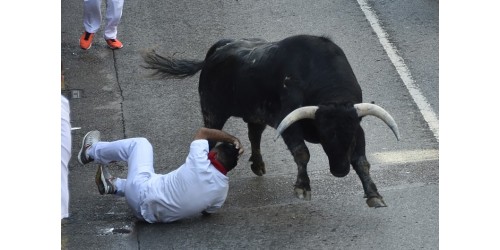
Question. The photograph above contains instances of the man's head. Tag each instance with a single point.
(227, 155)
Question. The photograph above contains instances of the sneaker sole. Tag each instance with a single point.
(103, 185)
(100, 180)
(83, 146)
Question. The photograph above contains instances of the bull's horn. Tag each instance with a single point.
(364, 109)
(298, 114)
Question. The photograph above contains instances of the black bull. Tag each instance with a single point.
(304, 81)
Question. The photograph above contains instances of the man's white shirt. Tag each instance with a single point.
(194, 187)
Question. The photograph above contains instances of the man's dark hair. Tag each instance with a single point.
(227, 155)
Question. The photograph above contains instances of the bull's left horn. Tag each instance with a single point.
(364, 109)
(307, 112)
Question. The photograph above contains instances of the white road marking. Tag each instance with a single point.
(404, 156)
(403, 71)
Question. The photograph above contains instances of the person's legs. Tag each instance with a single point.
(138, 153)
(91, 22)
(92, 15)
(113, 16)
(65, 155)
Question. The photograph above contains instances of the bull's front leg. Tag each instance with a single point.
(302, 185)
(255, 135)
(362, 168)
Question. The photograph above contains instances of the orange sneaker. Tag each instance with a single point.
(114, 43)
(86, 40)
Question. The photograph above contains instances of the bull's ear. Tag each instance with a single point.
(307, 112)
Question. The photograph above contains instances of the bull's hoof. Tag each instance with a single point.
(258, 169)
(302, 194)
(376, 202)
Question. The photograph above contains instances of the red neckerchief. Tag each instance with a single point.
(216, 163)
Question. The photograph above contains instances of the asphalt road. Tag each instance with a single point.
(114, 95)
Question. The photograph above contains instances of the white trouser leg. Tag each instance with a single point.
(113, 16)
(92, 15)
(65, 155)
(138, 153)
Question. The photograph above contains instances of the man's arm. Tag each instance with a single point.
(218, 135)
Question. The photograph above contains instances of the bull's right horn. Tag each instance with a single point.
(307, 112)
(364, 109)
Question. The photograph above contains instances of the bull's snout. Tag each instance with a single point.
(340, 168)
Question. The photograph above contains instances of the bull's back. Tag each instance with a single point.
(238, 76)
(249, 77)
(320, 68)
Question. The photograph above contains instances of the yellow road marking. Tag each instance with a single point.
(405, 156)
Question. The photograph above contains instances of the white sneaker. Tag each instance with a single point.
(89, 139)
(104, 180)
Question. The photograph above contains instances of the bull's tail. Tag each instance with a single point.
(169, 67)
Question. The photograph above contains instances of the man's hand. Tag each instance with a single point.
(220, 136)
(237, 145)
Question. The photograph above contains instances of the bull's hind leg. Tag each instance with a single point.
(362, 168)
(255, 135)
(213, 121)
